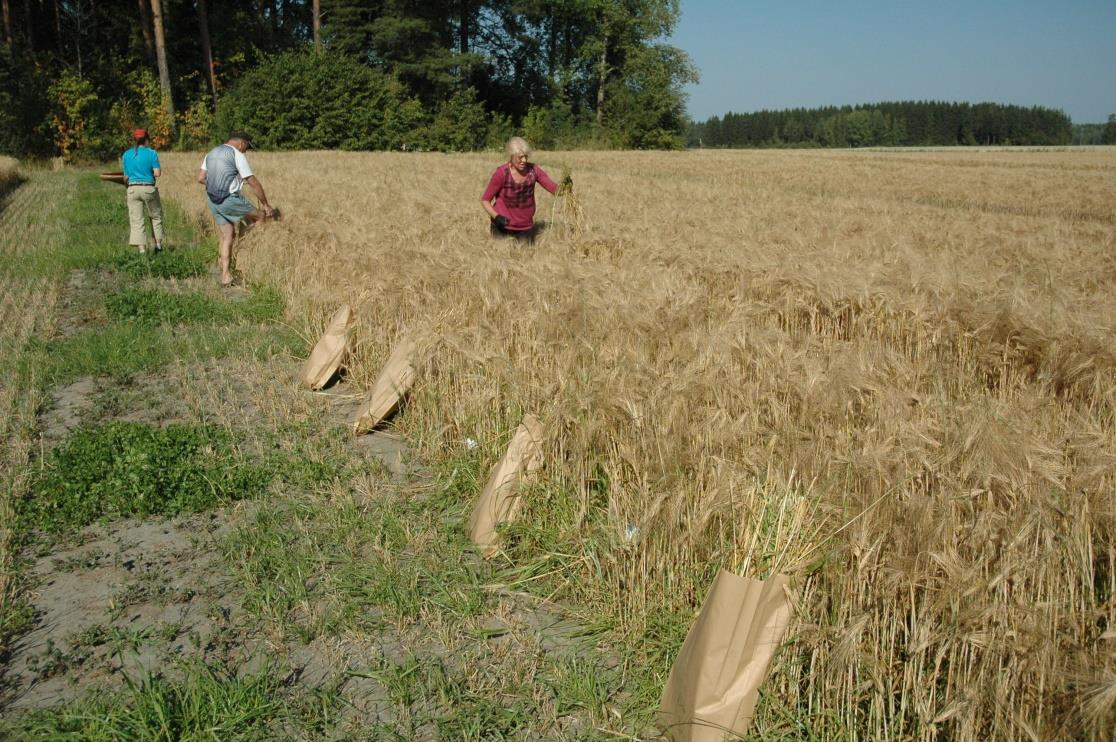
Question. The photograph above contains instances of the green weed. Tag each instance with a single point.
(176, 263)
(17, 615)
(127, 469)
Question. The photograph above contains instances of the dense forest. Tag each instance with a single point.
(76, 75)
(908, 123)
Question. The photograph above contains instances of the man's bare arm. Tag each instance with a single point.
(257, 188)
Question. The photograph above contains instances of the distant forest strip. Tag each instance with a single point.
(901, 124)
(1095, 133)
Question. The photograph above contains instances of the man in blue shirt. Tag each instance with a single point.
(141, 168)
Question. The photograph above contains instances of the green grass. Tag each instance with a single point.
(123, 349)
(581, 684)
(126, 469)
(440, 702)
(304, 457)
(207, 703)
(174, 263)
(340, 557)
(154, 306)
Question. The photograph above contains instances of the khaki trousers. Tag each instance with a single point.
(141, 199)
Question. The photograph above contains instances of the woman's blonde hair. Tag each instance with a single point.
(518, 146)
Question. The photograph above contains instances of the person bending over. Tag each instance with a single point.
(509, 199)
(224, 172)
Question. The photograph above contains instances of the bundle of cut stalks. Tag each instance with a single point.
(567, 217)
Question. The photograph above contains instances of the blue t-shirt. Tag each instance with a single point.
(138, 163)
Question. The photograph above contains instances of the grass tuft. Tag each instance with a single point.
(126, 348)
(182, 263)
(153, 306)
(208, 702)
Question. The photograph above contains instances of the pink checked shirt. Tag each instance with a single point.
(514, 200)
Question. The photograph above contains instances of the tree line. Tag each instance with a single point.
(76, 75)
(1096, 133)
(898, 124)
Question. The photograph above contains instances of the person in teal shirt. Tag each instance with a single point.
(141, 170)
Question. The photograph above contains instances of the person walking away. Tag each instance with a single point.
(509, 199)
(141, 169)
(224, 172)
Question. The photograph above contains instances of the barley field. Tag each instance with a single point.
(890, 375)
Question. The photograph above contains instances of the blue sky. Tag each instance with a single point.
(805, 53)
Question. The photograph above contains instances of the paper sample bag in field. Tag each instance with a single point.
(325, 359)
(394, 381)
(714, 683)
(500, 502)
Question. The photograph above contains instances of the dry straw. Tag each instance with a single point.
(888, 375)
(31, 219)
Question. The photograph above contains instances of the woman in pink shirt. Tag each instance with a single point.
(510, 196)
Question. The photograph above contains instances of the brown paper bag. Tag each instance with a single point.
(499, 502)
(714, 683)
(394, 381)
(325, 359)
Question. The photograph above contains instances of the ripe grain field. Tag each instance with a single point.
(890, 375)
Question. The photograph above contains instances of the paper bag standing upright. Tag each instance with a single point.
(394, 381)
(714, 683)
(325, 359)
(499, 502)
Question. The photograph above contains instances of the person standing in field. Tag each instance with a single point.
(224, 172)
(509, 199)
(141, 168)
